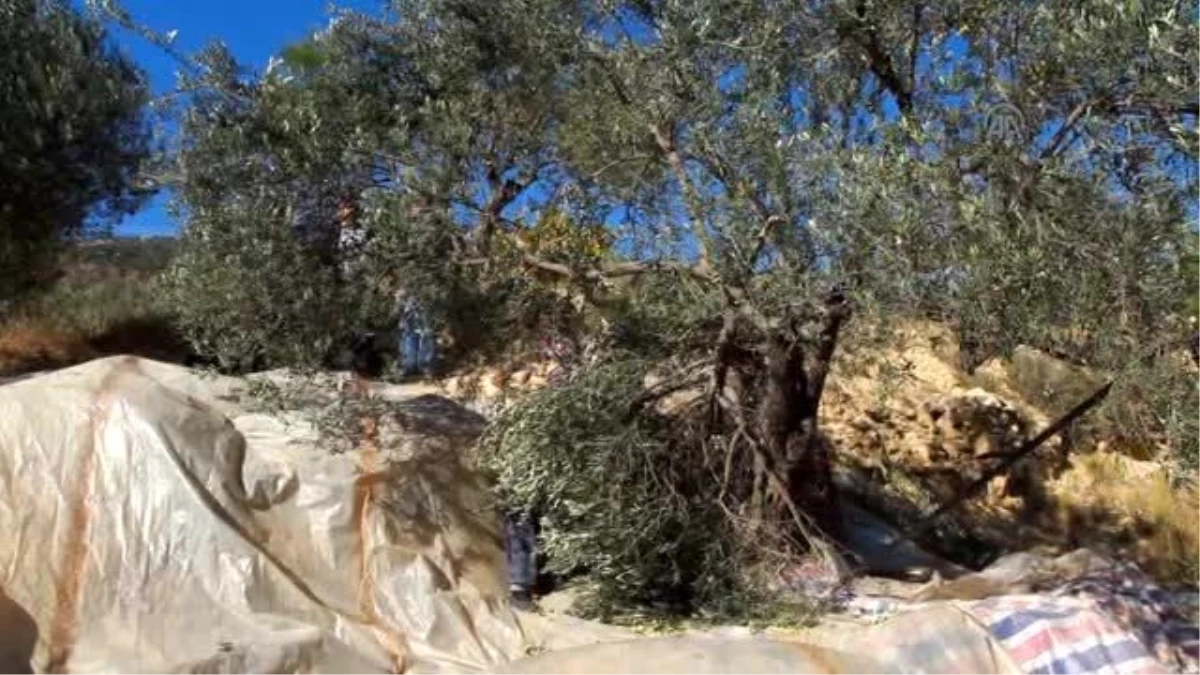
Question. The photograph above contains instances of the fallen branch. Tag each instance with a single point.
(687, 378)
(805, 525)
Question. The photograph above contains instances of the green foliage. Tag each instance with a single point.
(248, 293)
(128, 254)
(72, 134)
(102, 285)
(1019, 171)
(106, 298)
(267, 165)
(93, 302)
(1153, 412)
(628, 501)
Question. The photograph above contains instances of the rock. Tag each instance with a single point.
(862, 424)
(975, 422)
(878, 414)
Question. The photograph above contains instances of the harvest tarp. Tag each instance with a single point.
(150, 522)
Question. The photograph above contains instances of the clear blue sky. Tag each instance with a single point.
(253, 29)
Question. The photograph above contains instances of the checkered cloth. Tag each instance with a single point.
(1062, 635)
(1112, 621)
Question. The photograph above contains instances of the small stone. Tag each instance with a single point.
(862, 424)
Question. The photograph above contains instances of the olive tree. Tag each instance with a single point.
(763, 173)
(1022, 172)
(72, 134)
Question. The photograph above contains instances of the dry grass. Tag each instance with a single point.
(27, 345)
(1107, 499)
(1128, 507)
(106, 301)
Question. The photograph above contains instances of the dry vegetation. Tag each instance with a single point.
(28, 344)
(1128, 507)
(1089, 488)
(1086, 489)
(104, 301)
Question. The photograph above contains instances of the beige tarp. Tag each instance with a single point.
(143, 531)
(923, 639)
(685, 654)
(149, 522)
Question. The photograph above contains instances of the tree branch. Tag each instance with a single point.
(879, 62)
(720, 168)
(1073, 118)
(915, 46)
(665, 139)
(808, 529)
(612, 270)
(722, 354)
(615, 163)
(1135, 106)
(837, 311)
(504, 193)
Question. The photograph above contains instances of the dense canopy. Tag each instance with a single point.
(714, 191)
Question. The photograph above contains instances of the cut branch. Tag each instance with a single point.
(688, 377)
(807, 529)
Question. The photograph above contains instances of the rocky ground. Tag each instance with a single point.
(910, 428)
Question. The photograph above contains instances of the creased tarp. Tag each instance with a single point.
(1081, 613)
(931, 639)
(696, 654)
(142, 531)
(925, 639)
(148, 523)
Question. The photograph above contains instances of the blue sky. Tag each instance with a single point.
(253, 29)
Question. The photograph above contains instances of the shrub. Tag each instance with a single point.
(247, 293)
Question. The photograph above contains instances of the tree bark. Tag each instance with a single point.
(789, 417)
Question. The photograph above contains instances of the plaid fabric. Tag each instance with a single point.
(1062, 635)
(1113, 620)
(1152, 614)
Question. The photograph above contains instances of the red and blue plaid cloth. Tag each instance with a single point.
(1114, 621)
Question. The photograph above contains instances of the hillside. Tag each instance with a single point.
(104, 300)
(909, 428)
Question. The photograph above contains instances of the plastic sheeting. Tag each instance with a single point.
(148, 522)
(931, 640)
(696, 654)
(142, 530)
